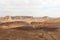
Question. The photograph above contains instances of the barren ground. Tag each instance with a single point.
(23, 34)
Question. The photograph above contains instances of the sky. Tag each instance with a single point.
(36, 8)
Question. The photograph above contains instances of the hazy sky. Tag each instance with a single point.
(30, 8)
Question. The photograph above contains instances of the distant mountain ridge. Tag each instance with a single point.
(29, 18)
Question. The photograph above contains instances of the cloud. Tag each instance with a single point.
(29, 7)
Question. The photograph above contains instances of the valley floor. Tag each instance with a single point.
(20, 34)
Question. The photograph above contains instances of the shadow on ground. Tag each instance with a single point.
(31, 28)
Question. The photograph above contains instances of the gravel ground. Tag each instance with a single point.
(23, 34)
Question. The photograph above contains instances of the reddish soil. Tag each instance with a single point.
(23, 34)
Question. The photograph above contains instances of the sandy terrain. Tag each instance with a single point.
(30, 33)
(33, 34)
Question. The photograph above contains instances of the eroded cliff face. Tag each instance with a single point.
(18, 21)
(26, 19)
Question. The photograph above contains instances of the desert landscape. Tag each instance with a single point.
(29, 28)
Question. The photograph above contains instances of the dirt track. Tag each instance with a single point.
(20, 34)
